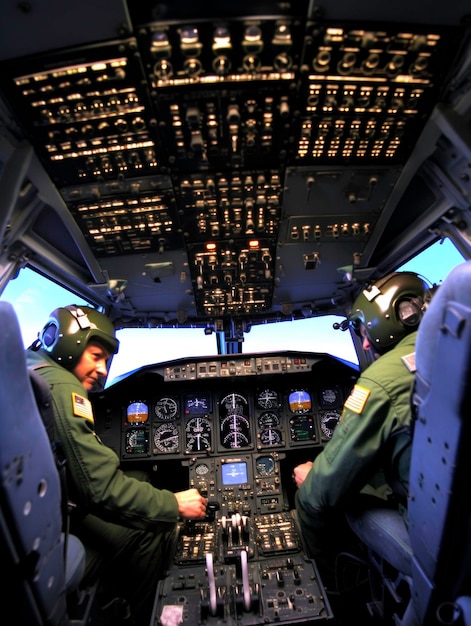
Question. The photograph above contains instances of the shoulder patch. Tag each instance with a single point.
(409, 361)
(357, 399)
(82, 407)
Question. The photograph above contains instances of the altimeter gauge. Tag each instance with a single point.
(265, 465)
(166, 438)
(198, 434)
(270, 437)
(234, 421)
(268, 418)
(166, 408)
(267, 399)
(329, 421)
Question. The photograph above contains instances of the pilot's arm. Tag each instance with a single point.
(353, 458)
(96, 483)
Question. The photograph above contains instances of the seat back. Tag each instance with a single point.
(440, 488)
(433, 555)
(31, 539)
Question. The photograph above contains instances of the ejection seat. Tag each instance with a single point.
(425, 568)
(41, 565)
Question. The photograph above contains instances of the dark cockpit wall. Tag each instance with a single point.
(187, 164)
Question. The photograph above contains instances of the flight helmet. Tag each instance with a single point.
(69, 330)
(390, 308)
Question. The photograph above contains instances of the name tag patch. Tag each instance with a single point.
(409, 362)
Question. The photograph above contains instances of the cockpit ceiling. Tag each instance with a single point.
(232, 165)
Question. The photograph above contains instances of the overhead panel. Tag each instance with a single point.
(185, 133)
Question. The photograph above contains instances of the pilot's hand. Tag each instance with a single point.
(300, 472)
(191, 504)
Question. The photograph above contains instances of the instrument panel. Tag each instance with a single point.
(235, 427)
(238, 418)
(223, 406)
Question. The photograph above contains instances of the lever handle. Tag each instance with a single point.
(211, 509)
(212, 584)
(245, 579)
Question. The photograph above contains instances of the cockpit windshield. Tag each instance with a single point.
(35, 296)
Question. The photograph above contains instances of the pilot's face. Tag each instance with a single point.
(92, 366)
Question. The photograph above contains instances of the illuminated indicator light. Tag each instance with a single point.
(254, 244)
(211, 246)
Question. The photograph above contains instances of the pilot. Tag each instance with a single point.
(127, 526)
(369, 452)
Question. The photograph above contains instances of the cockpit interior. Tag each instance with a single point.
(223, 166)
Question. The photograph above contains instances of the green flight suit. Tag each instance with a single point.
(363, 450)
(125, 523)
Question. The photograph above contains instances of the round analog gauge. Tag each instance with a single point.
(166, 409)
(235, 439)
(234, 421)
(166, 438)
(235, 431)
(267, 399)
(269, 418)
(270, 437)
(234, 402)
(198, 434)
(265, 465)
(202, 469)
(137, 441)
(330, 397)
(329, 421)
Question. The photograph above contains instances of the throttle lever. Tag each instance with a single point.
(212, 584)
(211, 508)
(245, 579)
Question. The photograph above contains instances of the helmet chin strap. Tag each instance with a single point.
(35, 345)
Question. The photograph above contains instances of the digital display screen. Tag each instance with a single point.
(137, 412)
(137, 441)
(197, 404)
(234, 473)
(299, 401)
(302, 428)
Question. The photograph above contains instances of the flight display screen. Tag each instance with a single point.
(137, 412)
(234, 473)
(300, 401)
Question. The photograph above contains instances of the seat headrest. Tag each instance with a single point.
(455, 288)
